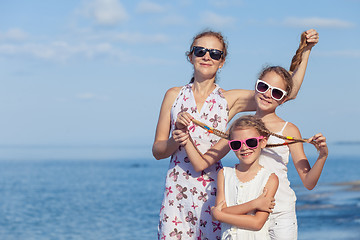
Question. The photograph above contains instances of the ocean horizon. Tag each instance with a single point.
(106, 192)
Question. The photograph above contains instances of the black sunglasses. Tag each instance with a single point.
(201, 51)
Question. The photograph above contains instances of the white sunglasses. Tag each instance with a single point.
(276, 93)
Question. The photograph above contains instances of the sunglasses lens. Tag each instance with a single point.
(199, 51)
(252, 142)
(215, 54)
(235, 145)
(262, 87)
(277, 94)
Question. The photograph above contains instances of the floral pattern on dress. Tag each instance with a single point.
(186, 208)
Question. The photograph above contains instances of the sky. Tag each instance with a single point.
(94, 73)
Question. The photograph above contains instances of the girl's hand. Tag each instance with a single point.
(181, 136)
(312, 38)
(265, 203)
(183, 120)
(216, 209)
(319, 141)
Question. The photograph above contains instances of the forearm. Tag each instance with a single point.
(249, 222)
(313, 175)
(299, 74)
(241, 208)
(196, 158)
(164, 149)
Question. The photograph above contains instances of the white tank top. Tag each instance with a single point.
(276, 160)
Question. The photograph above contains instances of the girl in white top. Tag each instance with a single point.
(272, 89)
(244, 183)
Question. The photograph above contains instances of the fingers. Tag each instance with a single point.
(312, 37)
(184, 118)
(319, 141)
(318, 138)
(180, 137)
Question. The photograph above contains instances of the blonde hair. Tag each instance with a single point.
(249, 121)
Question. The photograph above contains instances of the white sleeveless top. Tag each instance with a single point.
(276, 160)
(237, 192)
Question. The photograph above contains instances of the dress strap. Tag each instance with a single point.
(283, 127)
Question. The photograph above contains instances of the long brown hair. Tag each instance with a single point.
(247, 121)
(296, 60)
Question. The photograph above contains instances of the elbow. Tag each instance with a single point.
(156, 153)
(258, 225)
(156, 156)
(198, 168)
(309, 187)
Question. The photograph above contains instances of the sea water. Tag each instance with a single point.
(119, 198)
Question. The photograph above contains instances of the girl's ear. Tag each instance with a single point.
(285, 99)
(263, 142)
(222, 63)
(191, 59)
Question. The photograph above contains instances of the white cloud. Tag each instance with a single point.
(61, 51)
(136, 38)
(150, 7)
(57, 51)
(173, 20)
(214, 20)
(14, 34)
(106, 12)
(317, 22)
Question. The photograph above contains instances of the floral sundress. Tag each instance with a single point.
(188, 197)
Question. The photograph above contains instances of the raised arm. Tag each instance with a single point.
(250, 222)
(164, 146)
(308, 41)
(240, 100)
(308, 175)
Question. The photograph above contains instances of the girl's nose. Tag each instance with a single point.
(268, 93)
(207, 56)
(243, 146)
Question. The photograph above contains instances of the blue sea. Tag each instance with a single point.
(115, 193)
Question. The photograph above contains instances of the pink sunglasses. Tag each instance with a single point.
(251, 143)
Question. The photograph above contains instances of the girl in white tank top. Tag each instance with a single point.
(271, 91)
